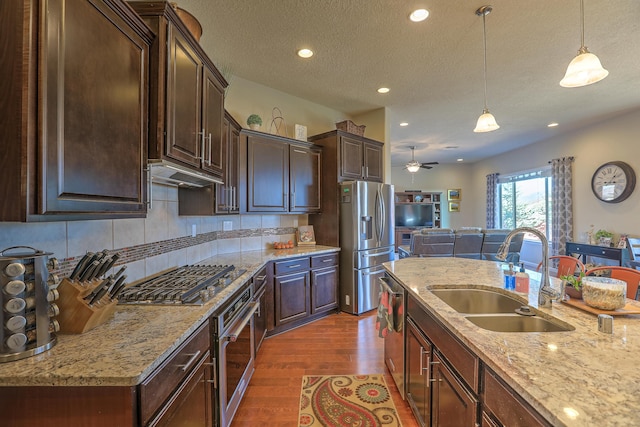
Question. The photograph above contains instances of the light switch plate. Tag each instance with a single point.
(193, 230)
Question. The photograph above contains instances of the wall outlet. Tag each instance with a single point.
(193, 230)
(227, 225)
(347, 300)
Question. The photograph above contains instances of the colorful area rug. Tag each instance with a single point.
(346, 401)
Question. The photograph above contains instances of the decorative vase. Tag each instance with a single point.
(605, 241)
(254, 126)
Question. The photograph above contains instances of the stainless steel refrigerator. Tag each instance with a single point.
(366, 241)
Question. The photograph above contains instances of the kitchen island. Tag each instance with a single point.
(576, 378)
(130, 347)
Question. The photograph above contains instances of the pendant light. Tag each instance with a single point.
(585, 68)
(486, 121)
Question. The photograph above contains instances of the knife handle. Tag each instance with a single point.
(81, 265)
(88, 271)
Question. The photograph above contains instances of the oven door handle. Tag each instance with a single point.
(233, 335)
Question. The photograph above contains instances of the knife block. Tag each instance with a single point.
(76, 315)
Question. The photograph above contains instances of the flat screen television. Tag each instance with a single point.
(414, 215)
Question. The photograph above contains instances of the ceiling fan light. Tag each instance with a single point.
(486, 122)
(413, 166)
(583, 70)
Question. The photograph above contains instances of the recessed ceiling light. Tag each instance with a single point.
(459, 160)
(419, 15)
(305, 53)
(383, 90)
(404, 124)
(552, 125)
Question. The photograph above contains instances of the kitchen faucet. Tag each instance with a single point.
(546, 293)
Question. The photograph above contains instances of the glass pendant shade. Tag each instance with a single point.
(584, 69)
(413, 166)
(486, 122)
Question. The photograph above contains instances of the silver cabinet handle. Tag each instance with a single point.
(190, 362)
(209, 161)
(293, 266)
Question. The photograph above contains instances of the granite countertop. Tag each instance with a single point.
(127, 348)
(577, 378)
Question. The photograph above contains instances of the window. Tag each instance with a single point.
(524, 200)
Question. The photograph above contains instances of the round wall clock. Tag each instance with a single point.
(613, 182)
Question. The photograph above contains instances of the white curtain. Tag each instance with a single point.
(561, 204)
(492, 200)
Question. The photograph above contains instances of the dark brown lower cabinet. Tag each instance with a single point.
(506, 406)
(292, 297)
(453, 405)
(304, 289)
(191, 405)
(417, 377)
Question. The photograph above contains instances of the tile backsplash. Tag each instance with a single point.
(160, 241)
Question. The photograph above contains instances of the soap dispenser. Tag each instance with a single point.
(510, 278)
(522, 280)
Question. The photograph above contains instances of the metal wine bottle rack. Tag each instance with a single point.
(28, 307)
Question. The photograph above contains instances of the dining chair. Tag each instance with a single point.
(567, 265)
(629, 275)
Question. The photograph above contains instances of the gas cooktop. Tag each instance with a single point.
(187, 285)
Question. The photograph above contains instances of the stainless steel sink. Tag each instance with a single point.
(478, 301)
(519, 323)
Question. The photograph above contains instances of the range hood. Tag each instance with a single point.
(166, 172)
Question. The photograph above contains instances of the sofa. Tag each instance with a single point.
(466, 242)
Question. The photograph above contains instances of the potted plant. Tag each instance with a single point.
(573, 285)
(254, 121)
(603, 237)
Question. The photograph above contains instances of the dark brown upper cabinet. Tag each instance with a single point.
(280, 174)
(74, 110)
(224, 200)
(353, 157)
(187, 94)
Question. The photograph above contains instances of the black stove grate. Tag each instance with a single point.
(189, 284)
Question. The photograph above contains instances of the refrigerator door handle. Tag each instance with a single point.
(383, 215)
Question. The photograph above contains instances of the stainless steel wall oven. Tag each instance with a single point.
(234, 356)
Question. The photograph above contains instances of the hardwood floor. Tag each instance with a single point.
(337, 344)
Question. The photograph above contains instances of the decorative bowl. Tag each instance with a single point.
(604, 293)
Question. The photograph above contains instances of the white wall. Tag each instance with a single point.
(614, 139)
(440, 179)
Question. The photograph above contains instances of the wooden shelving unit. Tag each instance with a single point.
(432, 199)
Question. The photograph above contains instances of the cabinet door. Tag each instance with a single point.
(267, 175)
(92, 137)
(292, 297)
(233, 181)
(260, 324)
(191, 405)
(418, 354)
(453, 404)
(212, 116)
(304, 173)
(324, 285)
(351, 156)
(183, 104)
(373, 166)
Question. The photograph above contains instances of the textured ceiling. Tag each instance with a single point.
(434, 68)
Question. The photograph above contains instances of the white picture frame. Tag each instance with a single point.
(301, 132)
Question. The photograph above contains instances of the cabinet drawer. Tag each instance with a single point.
(321, 261)
(459, 357)
(155, 390)
(510, 409)
(292, 266)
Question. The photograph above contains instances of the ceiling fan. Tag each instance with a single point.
(414, 166)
